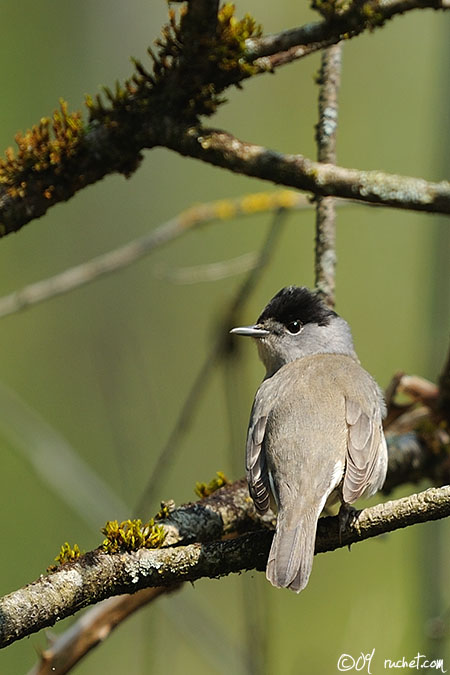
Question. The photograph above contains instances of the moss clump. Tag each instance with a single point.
(205, 489)
(190, 71)
(131, 535)
(229, 49)
(68, 554)
(42, 147)
(165, 510)
(332, 8)
(357, 14)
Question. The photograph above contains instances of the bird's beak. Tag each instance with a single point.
(250, 331)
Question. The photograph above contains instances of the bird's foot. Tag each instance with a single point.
(347, 516)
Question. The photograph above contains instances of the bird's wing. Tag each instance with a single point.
(366, 451)
(256, 463)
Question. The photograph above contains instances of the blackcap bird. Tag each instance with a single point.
(315, 433)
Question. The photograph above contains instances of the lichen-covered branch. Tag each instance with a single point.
(98, 575)
(374, 187)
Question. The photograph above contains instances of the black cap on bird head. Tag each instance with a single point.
(297, 323)
(297, 303)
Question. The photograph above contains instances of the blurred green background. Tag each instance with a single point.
(101, 373)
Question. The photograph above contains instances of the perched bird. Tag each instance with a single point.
(315, 433)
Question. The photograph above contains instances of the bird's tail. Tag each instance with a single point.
(291, 555)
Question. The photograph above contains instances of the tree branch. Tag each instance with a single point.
(98, 575)
(326, 132)
(123, 256)
(193, 546)
(374, 187)
(219, 348)
(92, 629)
(47, 172)
(321, 34)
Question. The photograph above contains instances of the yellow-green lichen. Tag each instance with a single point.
(131, 535)
(205, 489)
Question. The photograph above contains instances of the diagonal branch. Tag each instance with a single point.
(93, 628)
(219, 348)
(295, 43)
(374, 187)
(123, 256)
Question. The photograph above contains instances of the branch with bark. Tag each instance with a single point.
(154, 109)
(197, 544)
(221, 534)
(374, 187)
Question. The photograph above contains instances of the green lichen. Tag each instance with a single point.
(205, 489)
(131, 535)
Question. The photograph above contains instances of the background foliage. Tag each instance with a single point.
(108, 366)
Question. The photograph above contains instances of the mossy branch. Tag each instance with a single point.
(185, 80)
(98, 575)
(193, 545)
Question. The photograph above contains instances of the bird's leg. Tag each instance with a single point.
(347, 515)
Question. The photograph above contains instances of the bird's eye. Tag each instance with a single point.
(294, 327)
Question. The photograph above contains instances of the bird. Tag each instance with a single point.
(315, 435)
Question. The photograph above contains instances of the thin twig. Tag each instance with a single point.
(196, 274)
(218, 349)
(320, 34)
(325, 252)
(113, 261)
